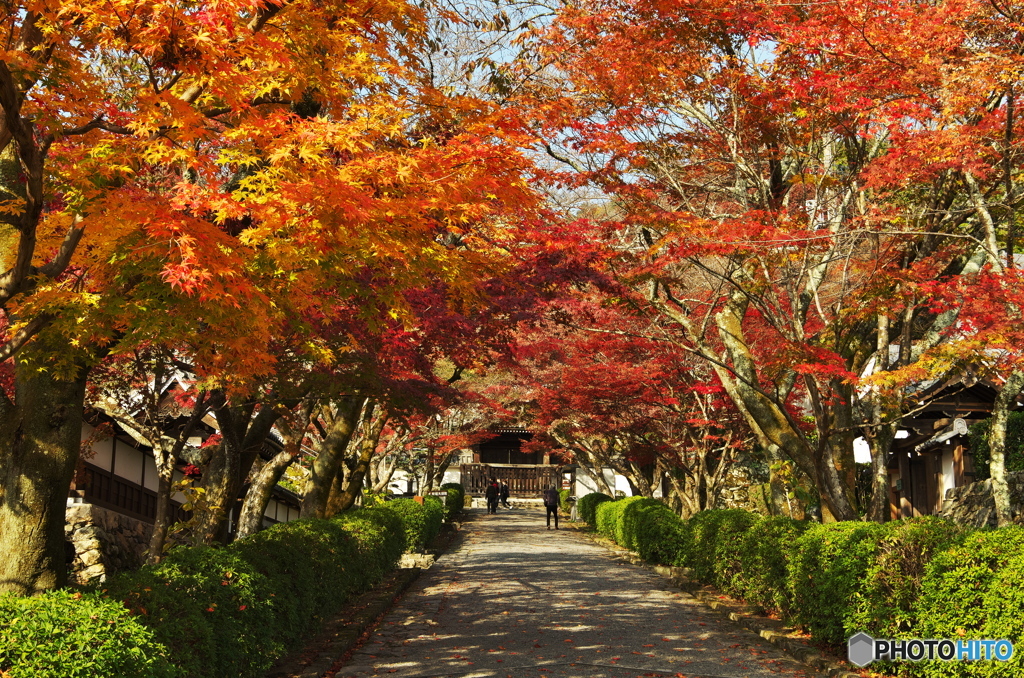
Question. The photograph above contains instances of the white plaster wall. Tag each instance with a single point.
(586, 483)
(947, 478)
(128, 463)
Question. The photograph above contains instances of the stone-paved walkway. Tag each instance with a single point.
(516, 599)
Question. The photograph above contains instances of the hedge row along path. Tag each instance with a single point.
(515, 599)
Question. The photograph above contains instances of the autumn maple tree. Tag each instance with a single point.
(787, 184)
(189, 177)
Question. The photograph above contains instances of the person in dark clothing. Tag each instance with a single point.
(503, 493)
(491, 493)
(551, 504)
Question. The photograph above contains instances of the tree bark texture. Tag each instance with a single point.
(250, 518)
(40, 437)
(1005, 401)
(244, 430)
(328, 463)
(372, 426)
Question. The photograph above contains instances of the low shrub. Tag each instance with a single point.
(892, 580)
(586, 506)
(659, 536)
(210, 607)
(421, 522)
(230, 612)
(630, 516)
(453, 501)
(705, 527)
(379, 544)
(563, 500)
(726, 565)
(826, 575)
(606, 516)
(974, 589)
(764, 554)
(61, 634)
(435, 518)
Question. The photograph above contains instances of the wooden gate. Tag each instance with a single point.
(522, 480)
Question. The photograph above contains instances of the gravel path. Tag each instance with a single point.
(515, 599)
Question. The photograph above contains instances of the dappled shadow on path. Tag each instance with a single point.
(516, 599)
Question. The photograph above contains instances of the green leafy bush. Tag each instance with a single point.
(421, 522)
(379, 543)
(586, 506)
(211, 607)
(563, 500)
(892, 580)
(659, 535)
(630, 515)
(705, 527)
(726, 565)
(606, 516)
(454, 500)
(826, 575)
(435, 518)
(764, 554)
(61, 634)
(230, 612)
(974, 589)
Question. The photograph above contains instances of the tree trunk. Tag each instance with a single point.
(1006, 399)
(250, 518)
(162, 521)
(372, 427)
(217, 480)
(384, 477)
(327, 465)
(441, 468)
(884, 422)
(40, 437)
(428, 474)
(769, 420)
(880, 443)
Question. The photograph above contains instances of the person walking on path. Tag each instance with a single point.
(551, 504)
(504, 495)
(491, 493)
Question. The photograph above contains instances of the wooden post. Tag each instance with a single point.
(906, 508)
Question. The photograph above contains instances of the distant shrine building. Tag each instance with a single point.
(503, 456)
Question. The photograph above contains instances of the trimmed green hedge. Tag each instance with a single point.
(764, 563)
(212, 612)
(586, 506)
(563, 500)
(827, 572)
(660, 536)
(230, 612)
(607, 515)
(975, 590)
(716, 537)
(892, 581)
(453, 501)
(421, 522)
(630, 516)
(62, 634)
(918, 578)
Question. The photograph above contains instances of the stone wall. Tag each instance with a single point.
(744, 487)
(104, 541)
(973, 504)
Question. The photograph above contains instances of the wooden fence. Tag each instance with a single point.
(522, 480)
(104, 488)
